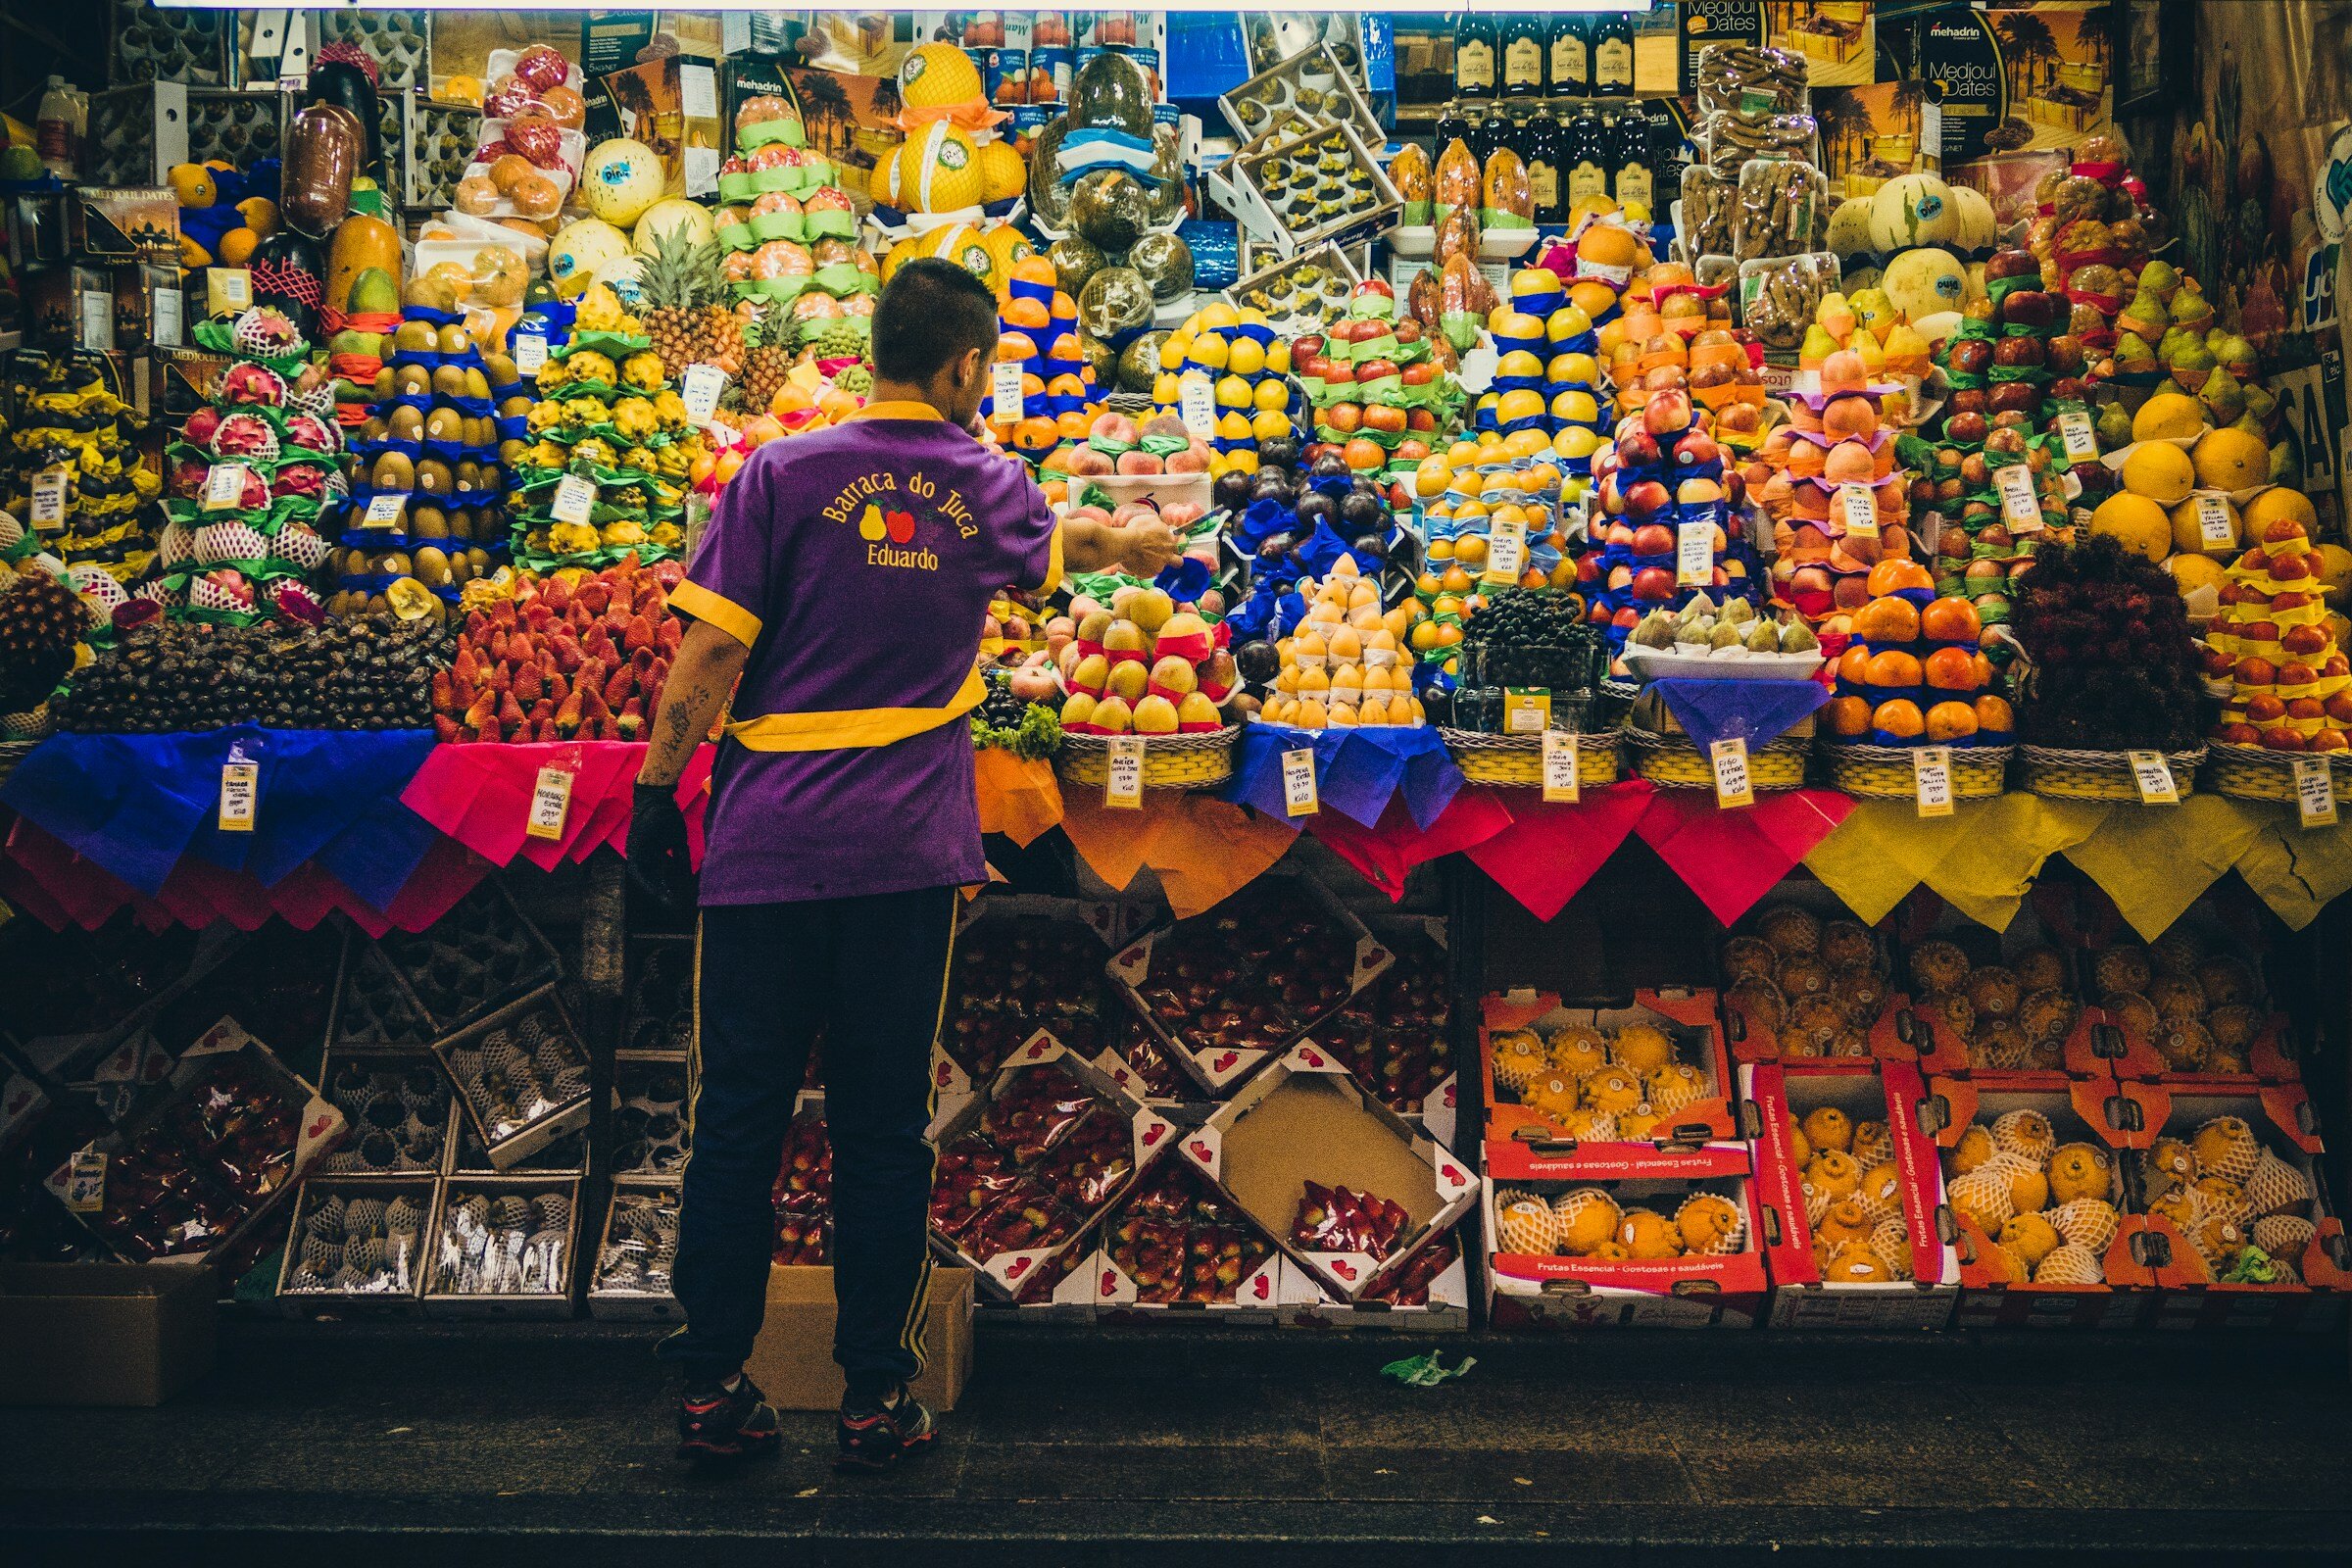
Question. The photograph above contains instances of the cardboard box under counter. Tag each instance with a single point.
(107, 1334)
(792, 1360)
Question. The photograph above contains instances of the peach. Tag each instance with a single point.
(1087, 463)
(1113, 428)
(1191, 459)
(1140, 461)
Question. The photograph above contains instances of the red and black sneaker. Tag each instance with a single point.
(723, 1423)
(877, 1437)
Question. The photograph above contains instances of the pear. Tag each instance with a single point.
(2159, 278)
(2190, 308)
(1798, 638)
(1739, 611)
(1817, 346)
(1654, 631)
(2284, 468)
(2259, 404)
(2113, 427)
(2222, 395)
(2133, 354)
(2175, 342)
(1693, 634)
(1699, 608)
(2237, 353)
(2252, 426)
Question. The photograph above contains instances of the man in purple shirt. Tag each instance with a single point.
(843, 583)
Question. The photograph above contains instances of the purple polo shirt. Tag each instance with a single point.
(856, 564)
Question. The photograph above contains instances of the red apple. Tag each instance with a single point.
(1653, 582)
(1653, 539)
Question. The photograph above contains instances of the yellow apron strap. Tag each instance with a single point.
(844, 729)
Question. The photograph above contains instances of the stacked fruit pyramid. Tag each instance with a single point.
(71, 427)
(2287, 677)
(1664, 474)
(1037, 331)
(1376, 387)
(1230, 359)
(1346, 664)
(248, 479)
(1477, 486)
(1145, 664)
(2001, 370)
(2044, 1212)
(1913, 671)
(428, 479)
(1831, 485)
(790, 235)
(608, 414)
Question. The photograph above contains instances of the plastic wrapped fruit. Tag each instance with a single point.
(1115, 301)
(1076, 260)
(1139, 365)
(1110, 92)
(1165, 262)
(1048, 197)
(1110, 207)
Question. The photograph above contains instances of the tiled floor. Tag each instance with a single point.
(512, 1445)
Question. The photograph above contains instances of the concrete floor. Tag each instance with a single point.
(519, 1445)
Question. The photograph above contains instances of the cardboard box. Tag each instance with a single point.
(1557, 1291)
(404, 1298)
(1988, 1299)
(985, 1024)
(1305, 1118)
(107, 1334)
(1881, 1092)
(1217, 1066)
(1441, 1307)
(1405, 1017)
(1174, 1230)
(1688, 1019)
(630, 1282)
(1012, 1194)
(445, 1292)
(792, 1360)
(2187, 1294)
(509, 1141)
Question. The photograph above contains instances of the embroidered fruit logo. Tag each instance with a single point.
(896, 526)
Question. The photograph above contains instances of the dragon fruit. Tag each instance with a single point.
(187, 477)
(298, 479)
(198, 431)
(156, 590)
(97, 588)
(314, 434)
(298, 546)
(296, 601)
(220, 590)
(265, 332)
(232, 540)
(174, 545)
(254, 385)
(314, 392)
(245, 435)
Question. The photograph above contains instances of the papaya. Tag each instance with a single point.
(361, 242)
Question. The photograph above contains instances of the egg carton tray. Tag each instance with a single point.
(373, 1007)
(567, 1155)
(503, 1246)
(1309, 303)
(356, 1245)
(1310, 87)
(436, 143)
(634, 1255)
(661, 988)
(474, 959)
(135, 132)
(399, 42)
(521, 1075)
(1278, 217)
(152, 43)
(398, 1107)
(651, 1136)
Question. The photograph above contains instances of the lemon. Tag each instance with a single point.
(1212, 352)
(1246, 357)
(1269, 424)
(1234, 393)
(1271, 394)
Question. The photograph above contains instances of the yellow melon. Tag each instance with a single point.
(2136, 522)
(2335, 571)
(2168, 416)
(2159, 472)
(2188, 526)
(2280, 503)
(2194, 572)
(1001, 172)
(2231, 458)
(937, 169)
(936, 76)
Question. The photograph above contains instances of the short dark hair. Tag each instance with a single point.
(930, 314)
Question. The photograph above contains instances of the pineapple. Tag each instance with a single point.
(765, 360)
(680, 281)
(40, 621)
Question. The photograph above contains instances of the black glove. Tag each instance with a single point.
(657, 857)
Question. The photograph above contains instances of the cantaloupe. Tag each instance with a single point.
(361, 241)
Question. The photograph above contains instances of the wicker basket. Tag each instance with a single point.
(2062, 774)
(1887, 773)
(11, 753)
(1518, 760)
(1170, 761)
(2258, 773)
(1676, 761)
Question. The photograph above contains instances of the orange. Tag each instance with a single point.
(1848, 715)
(1036, 270)
(1899, 719)
(1949, 620)
(1887, 621)
(1952, 670)
(1898, 573)
(1034, 434)
(1892, 668)
(1853, 666)
(1994, 713)
(1949, 721)
(1027, 314)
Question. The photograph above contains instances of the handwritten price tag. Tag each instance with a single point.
(240, 794)
(86, 1183)
(1859, 510)
(530, 354)
(1693, 555)
(224, 486)
(699, 389)
(1931, 780)
(2315, 791)
(1197, 405)
(49, 497)
(2018, 504)
(2154, 776)
(1506, 551)
(1732, 784)
(384, 511)
(2216, 528)
(1123, 783)
(576, 496)
(1007, 400)
(1298, 782)
(2074, 432)
(551, 803)
(1559, 768)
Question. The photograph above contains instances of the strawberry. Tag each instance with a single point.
(546, 731)
(567, 651)
(669, 634)
(501, 613)
(527, 684)
(537, 614)
(445, 692)
(543, 711)
(593, 706)
(656, 674)
(497, 644)
(598, 644)
(502, 679)
(558, 688)
(640, 634)
(482, 711)
(557, 591)
(568, 711)
(445, 729)
(466, 667)
(477, 626)
(631, 719)
(594, 595)
(591, 673)
(622, 683)
(521, 648)
(510, 713)
(669, 573)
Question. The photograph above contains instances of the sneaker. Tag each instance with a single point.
(878, 1437)
(723, 1423)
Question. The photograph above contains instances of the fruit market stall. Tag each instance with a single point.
(1921, 567)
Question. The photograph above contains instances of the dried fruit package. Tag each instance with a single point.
(1511, 201)
(972, 1175)
(1783, 209)
(1458, 181)
(1732, 76)
(1710, 211)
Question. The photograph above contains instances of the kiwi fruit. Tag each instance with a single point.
(494, 477)
(444, 424)
(382, 391)
(434, 476)
(515, 406)
(428, 522)
(413, 338)
(392, 472)
(502, 371)
(479, 560)
(405, 424)
(411, 381)
(469, 476)
(454, 339)
(511, 453)
(477, 385)
(374, 427)
(449, 382)
(431, 567)
(480, 432)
